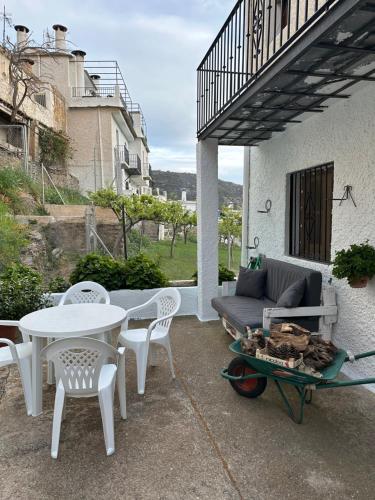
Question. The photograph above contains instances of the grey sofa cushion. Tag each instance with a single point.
(242, 311)
(251, 283)
(280, 275)
(292, 296)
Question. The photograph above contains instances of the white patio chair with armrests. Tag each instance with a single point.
(20, 355)
(85, 292)
(168, 302)
(81, 372)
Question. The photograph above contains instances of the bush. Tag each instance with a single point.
(357, 262)
(142, 273)
(102, 269)
(21, 292)
(225, 274)
(58, 285)
(13, 238)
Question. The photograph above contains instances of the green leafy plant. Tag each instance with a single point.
(21, 292)
(70, 196)
(224, 274)
(14, 182)
(13, 238)
(355, 263)
(55, 147)
(58, 284)
(102, 269)
(143, 273)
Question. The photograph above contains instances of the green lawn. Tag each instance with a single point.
(184, 262)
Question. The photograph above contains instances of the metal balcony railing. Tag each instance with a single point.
(108, 75)
(135, 165)
(122, 155)
(93, 91)
(255, 34)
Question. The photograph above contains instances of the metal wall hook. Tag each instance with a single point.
(346, 196)
(256, 244)
(267, 206)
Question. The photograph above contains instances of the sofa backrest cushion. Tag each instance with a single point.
(292, 296)
(280, 275)
(251, 283)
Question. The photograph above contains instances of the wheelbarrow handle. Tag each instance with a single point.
(362, 355)
(224, 373)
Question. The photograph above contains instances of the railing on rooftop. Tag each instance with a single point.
(108, 75)
(93, 91)
(255, 34)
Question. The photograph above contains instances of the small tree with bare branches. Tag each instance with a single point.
(24, 83)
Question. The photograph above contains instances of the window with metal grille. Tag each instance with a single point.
(310, 219)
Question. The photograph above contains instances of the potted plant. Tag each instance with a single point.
(21, 292)
(356, 264)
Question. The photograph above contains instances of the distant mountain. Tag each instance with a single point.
(175, 182)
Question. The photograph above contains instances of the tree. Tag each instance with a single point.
(129, 210)
(189, 220)
(24, 84)
(230, 228)
(172, 213)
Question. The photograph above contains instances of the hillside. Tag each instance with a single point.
(175, 182)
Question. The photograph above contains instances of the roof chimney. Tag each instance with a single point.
(22, 32)
(60, 41)
(80, 67)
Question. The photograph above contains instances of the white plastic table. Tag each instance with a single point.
(73, 320)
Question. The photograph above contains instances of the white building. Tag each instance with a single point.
(299, 94)
(107, 129)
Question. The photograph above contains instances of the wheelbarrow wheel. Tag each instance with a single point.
(250, 388)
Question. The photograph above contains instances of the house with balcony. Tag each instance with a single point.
(107, 129)
(43, 107)
(293, 83)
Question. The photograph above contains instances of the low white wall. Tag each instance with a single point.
(132, 298)
(344, 134)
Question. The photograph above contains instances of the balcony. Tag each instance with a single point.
(122, 156)
(274, 60)
(135, 165)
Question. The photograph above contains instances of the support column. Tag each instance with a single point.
(207, 211)
(245, 207)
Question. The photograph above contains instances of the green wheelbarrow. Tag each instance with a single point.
(248, 376)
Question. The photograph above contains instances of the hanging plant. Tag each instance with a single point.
(54, 147)
(356, 264)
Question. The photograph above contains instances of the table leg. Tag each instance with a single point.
(37, 376)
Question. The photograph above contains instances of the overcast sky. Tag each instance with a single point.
(158, 44)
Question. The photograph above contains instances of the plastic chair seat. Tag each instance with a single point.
(24, 350)
(140, 335)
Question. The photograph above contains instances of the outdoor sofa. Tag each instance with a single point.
(258, 307)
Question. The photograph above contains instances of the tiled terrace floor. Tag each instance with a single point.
(191, 438)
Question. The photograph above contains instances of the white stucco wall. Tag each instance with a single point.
(344, 134)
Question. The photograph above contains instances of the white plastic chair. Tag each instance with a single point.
(19, 354)
(168, 302)
(82, 371)
(85, 292)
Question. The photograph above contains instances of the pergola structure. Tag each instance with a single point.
(272, 65)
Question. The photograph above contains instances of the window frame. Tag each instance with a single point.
(302, 218)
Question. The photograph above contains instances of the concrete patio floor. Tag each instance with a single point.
(191, 438)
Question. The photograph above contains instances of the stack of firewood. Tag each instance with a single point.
(288, 340)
